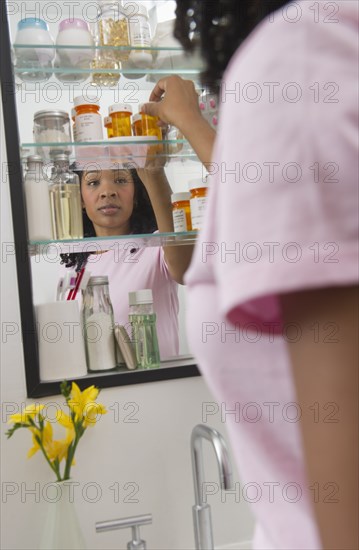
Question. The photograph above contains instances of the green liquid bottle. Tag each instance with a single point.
(144, 331)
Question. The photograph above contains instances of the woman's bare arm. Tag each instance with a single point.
(177, 258)
(325, 368)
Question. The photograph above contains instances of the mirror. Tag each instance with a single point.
(38, 275)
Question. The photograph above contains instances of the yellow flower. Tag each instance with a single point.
(45, 436)
(55, 449)
(91, 412)
(23, 417)
(84, 406)
(66, 421)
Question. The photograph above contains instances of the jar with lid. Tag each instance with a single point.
(181, 212)
(98, 325)
(144, 332)
(37, 200)
(120, 114)
(140, 34)
(74, 32)
(34, 64)
(112, 29)
(52, 127)
(88, 120)
(198, 190)
(65, 200)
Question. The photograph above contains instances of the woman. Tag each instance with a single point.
(273, 316)
(118, 202)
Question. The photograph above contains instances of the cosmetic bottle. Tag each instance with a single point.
(144, 331)
(65, 199)
(37, 201)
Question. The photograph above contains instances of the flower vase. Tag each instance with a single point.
(61, 529)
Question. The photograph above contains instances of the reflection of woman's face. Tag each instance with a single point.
(107, 196)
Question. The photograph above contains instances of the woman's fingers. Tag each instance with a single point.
(158, 90)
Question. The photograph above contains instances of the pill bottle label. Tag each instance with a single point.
(89, 127)
(198, 206)
(179, 220)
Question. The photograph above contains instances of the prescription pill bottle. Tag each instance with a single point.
(137, 125)
(73, 118)
(181, 212)
(108, 126)
(88, 120)
(120, 114)
(198, 191)
(149, 124)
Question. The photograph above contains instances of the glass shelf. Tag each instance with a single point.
(115, 154)
(118, 244)
(165, 61)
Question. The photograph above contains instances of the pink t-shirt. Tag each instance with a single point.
(282, 216)
(144, 268)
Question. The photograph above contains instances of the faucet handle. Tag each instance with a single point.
(134, 522)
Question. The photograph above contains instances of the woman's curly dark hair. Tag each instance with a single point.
(142, 220)
(217, 28)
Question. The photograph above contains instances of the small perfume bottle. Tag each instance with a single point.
(65, 199)
(144, 332)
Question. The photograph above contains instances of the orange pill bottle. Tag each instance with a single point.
(108, 126)
(149, 124)
(88, 120)
(73, 117)
(120, 114)
(181, 212)
(137, 125)
(198, 200)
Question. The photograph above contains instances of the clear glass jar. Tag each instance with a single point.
(52, 127)
(35, 63)
(98, 325)
(144, 332)
(112, 29)
(65, 200)
(74, 32)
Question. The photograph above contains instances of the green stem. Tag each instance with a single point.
(70, 457)
(52, 466)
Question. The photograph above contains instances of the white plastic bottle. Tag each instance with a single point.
(74, 32)
(140, 34)
(37, 198)
(34, 64)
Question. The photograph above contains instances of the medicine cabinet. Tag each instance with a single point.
(19, 99)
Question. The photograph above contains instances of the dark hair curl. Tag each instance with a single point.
(217, 28)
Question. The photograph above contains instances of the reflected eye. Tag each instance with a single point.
(92, 183)
(121, 181)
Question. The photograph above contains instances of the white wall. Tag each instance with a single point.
(150, 455)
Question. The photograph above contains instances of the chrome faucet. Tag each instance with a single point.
(202, 521)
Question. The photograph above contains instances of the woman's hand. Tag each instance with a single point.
(175, 101)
